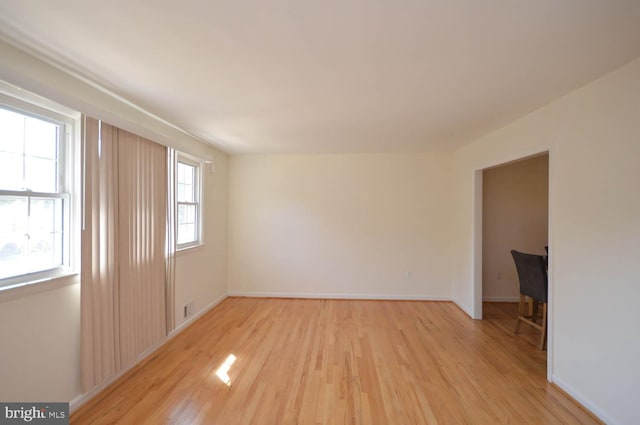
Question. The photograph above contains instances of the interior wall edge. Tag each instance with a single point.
(466, 310)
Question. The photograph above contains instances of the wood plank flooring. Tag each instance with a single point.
(341, 362)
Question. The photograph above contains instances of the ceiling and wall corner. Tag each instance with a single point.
(332, 76)
(42, 77)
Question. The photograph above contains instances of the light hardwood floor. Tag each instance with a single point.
(341, 362)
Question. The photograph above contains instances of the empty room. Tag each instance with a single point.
(342, 212)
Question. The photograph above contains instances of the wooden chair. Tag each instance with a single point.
(532, 274)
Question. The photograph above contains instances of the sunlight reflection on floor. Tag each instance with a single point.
(223, 370)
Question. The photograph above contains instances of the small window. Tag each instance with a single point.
(188, 202)
(34, 197)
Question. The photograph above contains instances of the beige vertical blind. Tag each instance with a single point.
(142, 219)
(99, 276)
(123, 250)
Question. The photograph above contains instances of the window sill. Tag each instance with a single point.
(24, 289)
(190, 249)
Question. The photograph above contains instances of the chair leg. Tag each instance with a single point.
(534, 310)
(543, 337)
(520, 312)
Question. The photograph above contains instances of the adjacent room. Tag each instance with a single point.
(515, 217)
(320, 212)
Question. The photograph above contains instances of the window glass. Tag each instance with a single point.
(11, 171)
(11, 131)
(28, 153)
(187, 186)
(186, 182)
(13, 244)
(33, 204)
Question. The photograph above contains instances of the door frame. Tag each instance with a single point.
(477, 243)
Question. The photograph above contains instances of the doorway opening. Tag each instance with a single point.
(513, 201)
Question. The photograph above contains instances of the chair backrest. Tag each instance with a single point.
(532, 273)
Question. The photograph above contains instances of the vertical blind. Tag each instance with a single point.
(124, 245)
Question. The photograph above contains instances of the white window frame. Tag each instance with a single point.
(191, 161)
(68, 121)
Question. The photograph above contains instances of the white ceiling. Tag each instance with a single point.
(272, 76)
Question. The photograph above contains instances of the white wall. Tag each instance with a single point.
(594, 140)
(340, 225)
(201, 273)
(515, 212)
(40, 349)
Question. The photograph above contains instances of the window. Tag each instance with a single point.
(188, 202)
(34, 196)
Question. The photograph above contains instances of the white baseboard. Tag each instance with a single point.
(333, 296)
(196, 316)
(583, 401)
(501, 299)
(80, 400)
(462, 307)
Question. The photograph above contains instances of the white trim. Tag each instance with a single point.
(194, 159)
(25, 68)
(593, 409)
(462, 307)
(198, 315)
(30, 104)
(26, 97)
(188, 249)
(82, 399)
(334, 296)
(550, 271)
(515, 157)
(501, 299)
(476, 258)
(27, 289)
(37, 277)
(30, 194)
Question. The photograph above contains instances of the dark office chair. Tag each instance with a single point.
(532, 273)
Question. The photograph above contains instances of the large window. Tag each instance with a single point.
(188, 202)
(34, 197)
